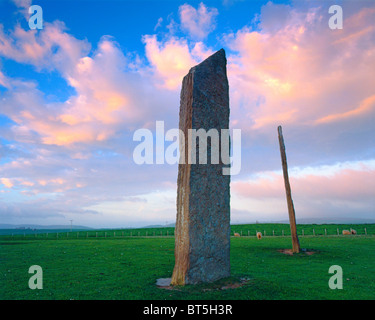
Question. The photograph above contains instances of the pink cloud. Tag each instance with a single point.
(106, 99)
(367, 106)
(7, 182)
(51, 49)
(345, 184)
(172, 58)
(298, 71)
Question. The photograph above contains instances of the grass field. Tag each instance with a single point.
(127, 267)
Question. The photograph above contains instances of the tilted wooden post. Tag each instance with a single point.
(292, 216)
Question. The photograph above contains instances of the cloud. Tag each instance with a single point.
(109, 88)
(171, 59)
(22, 3)
(23, 6)
(366, 106)
(3, 80)
(158, 24)
(325, 191)
(198, 23)
(295, 70)
(7, 182)
(76, 153)
(52, 49)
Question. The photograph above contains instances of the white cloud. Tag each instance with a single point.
(198, 23)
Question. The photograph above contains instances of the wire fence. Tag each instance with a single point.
(170, 232)
(302, 232)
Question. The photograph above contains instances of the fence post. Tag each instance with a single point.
(365, 231)
(273, 232)
(338, 231)
(248, 232)
(303, 232)
(313, 232)
(105, 234)
(325, 232)
(283, 233)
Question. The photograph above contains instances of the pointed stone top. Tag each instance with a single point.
(214, 60)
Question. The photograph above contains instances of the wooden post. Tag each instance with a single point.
(365, 231)
(292, 216)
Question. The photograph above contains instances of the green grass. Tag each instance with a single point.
(127, 268)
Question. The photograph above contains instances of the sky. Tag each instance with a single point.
(73, 93)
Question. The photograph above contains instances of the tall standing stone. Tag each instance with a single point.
(202, 241)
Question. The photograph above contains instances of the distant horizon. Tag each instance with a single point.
(303, 221)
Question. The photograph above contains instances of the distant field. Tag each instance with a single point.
(127, 267)
(270, 229)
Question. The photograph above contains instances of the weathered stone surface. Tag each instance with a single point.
(203, 197)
